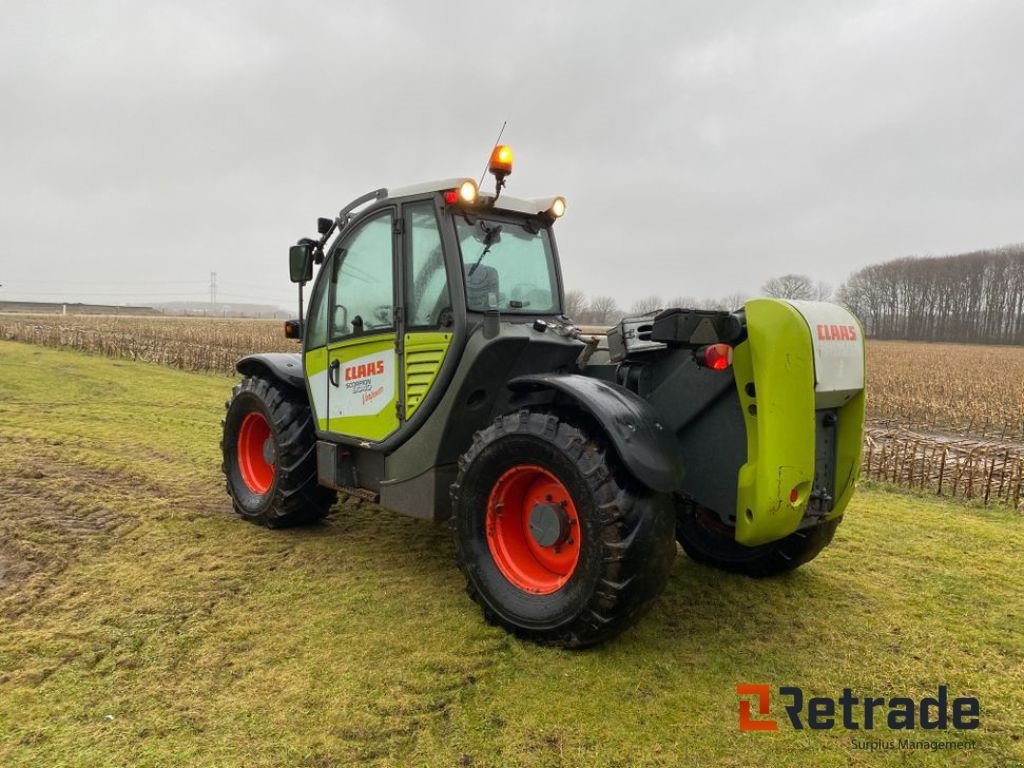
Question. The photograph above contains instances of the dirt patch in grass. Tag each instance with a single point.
(15, 566)
(54, 512)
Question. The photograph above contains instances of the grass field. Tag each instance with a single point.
(143, 624)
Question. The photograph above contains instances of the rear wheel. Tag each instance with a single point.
(269, 450)
(708, 540)
(557, 542)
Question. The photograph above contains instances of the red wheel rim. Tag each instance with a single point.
(521, 558)
(255, 447)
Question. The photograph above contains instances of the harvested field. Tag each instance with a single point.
(955, 466)
(191, 344)
(144, 624)
(949, 417)
(964, 389)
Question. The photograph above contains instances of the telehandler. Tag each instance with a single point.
(440, 378)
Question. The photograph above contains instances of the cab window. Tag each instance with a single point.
(316, 316)
(507, 267)
(364, 281)
(426, 276)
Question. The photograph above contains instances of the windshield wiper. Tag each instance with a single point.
(491, 236)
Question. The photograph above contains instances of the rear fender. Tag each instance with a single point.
(647, 448)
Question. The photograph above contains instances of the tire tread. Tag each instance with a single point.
(298, 498)
(634, 525)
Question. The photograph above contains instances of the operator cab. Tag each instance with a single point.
(405, 276)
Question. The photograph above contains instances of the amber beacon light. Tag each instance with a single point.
(501, 161)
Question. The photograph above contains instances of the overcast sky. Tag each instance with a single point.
(702, 147)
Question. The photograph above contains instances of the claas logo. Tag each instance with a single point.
(851, 712)
(837, 332)
(364, 370)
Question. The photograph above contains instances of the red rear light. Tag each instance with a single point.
(717, 357)
(794, 496)
(451, 196)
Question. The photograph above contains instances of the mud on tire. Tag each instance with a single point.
(707, 540)
(282, 489)
(626, 541)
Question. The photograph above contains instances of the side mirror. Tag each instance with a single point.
(300, 263)
(323, 226)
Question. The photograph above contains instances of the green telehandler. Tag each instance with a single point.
(439, 377)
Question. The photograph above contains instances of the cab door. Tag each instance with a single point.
(362, 356)
(428, 314)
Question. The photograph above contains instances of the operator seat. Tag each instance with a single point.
(481, 288)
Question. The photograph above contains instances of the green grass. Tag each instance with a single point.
(142, 623)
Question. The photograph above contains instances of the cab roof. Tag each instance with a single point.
(531, 206)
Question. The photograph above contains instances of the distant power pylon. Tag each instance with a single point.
(213, 287)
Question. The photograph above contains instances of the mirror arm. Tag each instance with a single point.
(317, 252)
(318, 249)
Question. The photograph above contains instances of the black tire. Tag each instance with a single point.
(292, 496)
(706, 539)
(626, 541)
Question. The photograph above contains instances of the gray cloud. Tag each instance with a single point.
(702, 147)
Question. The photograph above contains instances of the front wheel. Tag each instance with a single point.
(706, 539)
(269, 451)
(558, 543)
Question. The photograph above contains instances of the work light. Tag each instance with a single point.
(467, 192)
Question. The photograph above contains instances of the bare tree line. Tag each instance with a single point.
(972, 297)
(605, 310)
(797, 287)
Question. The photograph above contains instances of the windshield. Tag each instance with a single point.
(507, 267)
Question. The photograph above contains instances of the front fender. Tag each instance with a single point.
(647, 448)
(284, 367)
